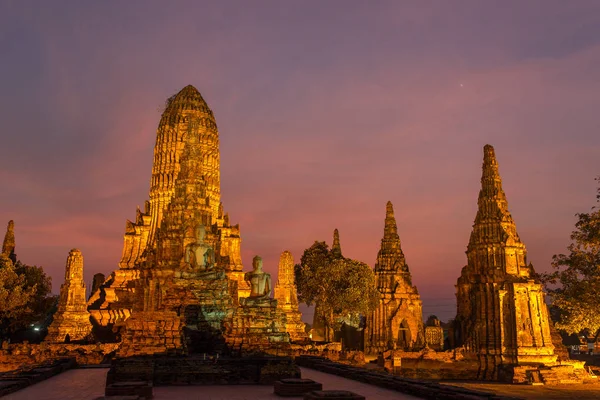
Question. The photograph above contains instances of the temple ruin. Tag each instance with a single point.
(287, 298)
(398, 321)
(8, 246)
(501, 313)
(180, 286)
(71, 321)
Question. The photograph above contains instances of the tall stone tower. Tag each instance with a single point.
(398, 321)
(72, 317)
(186, 115)
(501, 313)
(287, 298)
(336, 247)
(8, 246)
(181, 264)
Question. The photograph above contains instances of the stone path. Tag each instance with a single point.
(88, 384)
(528, 392)
(75, 384)
(247, 392)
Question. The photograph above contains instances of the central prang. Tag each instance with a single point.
(180, 287)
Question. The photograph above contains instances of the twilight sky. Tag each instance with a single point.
(326, 110)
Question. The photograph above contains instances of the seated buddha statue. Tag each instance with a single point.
(260, 286)
(200, 257)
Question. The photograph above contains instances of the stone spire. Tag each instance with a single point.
(336, 248)
(186, 117)
(390, 258)
(287, 298)
(72, 318)
(390, 230)
(398, 320)
(285, 275)
(184, 109)
(74, 270)
(501, 313)
(494, 230)
(8, 247)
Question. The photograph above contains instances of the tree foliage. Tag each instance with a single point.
(25, 296)
(13, 294)
(574, 285)
(343, 288)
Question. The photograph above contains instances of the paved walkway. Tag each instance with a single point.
(528, 392)
(75, 384)
(88, 384)
(251, 392)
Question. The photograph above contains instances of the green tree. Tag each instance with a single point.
(25, 296)
(13, 296)
(343, 288)
(574, 285)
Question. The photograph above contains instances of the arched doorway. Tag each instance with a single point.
(404, 336)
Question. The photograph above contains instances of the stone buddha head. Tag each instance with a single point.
(257, 264)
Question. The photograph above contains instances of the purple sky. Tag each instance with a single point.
(326, 110)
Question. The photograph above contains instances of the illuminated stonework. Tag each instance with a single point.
(501, 313)
(434, 336)
(180, 277)
(71, 320)
(287, 298)
(398, 321)
(8, 246)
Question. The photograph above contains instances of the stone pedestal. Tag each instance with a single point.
(259, 329)
(152, 332)
(295, 387)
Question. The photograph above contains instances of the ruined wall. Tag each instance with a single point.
(19, 355)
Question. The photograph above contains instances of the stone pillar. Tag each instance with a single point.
(71, 320)
(8, 246)
(287, 299)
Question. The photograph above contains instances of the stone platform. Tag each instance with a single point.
(295, 387)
